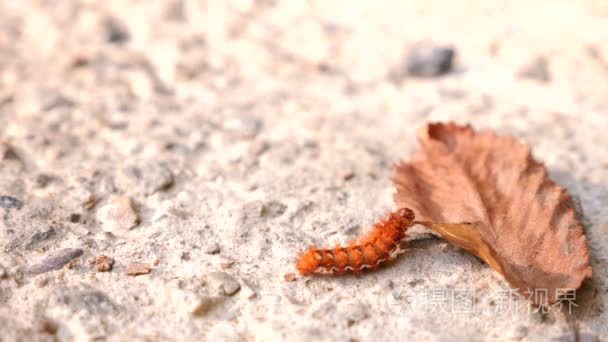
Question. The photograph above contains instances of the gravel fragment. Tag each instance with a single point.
(3, 272)
(42, 282)
(175, 10)
(247, 292)
(51, 100)
(537, 70)
(186, 256)
(272, 209)
(348, 176)
(74, 217)
(9, 202)
(104, 263)
(205, 305)
(55, 260)
(7, 152)
(244, 127)
(118, 214)
(290, 277)
(136, 269)
(43, 180)
(212, 248)
(429, 60)
(353, 313)
(47, 326)
(116, 31)
(88, 300)
(223, 283)
(41, 234)
(90, 203)
(226, 262)
(151, 177)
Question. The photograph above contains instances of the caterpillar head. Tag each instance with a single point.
(404, 217)
(309, 262)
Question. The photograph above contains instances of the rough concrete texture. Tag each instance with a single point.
(244, 131)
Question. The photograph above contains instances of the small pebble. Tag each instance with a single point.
(56, 260)
(91, 202)
(353, 313)
(71, 264)
(272, 209)
(41, 234)
(116, 32)
(79, 61)
(7, 152)
(151, 177)
(87, 300)
(226, 263)
(54, 99)
(43, 180)
(9, 202)
(537, 70)
(348, 176)
(104, 263)
(290, 277)
(520, 332)
(136, 269)
(205, 305)
(118, 214)
(75, 217)
(244, 127)
(174, 10)
(223, 283)
(42, 282)
(429, 60)
(186, 256)
(47, 326)
(247, 292)
(212, 248)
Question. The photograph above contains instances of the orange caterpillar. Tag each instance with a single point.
(373, 249)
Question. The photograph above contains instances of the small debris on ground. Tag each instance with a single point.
(136, 269)
(537, 70)
(9, 202)
(212, 248)
(429, 60)
(226, 262)
(118, 214)
(290, 277)
(348, 176)
(205, 305)
(56, 260)
(223, 283)
(7, 152)
(104, 263)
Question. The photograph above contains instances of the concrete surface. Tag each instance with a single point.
(203, 145)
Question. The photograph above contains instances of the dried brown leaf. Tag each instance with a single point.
(486, 194)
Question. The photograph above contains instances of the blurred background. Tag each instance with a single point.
(239, 132)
